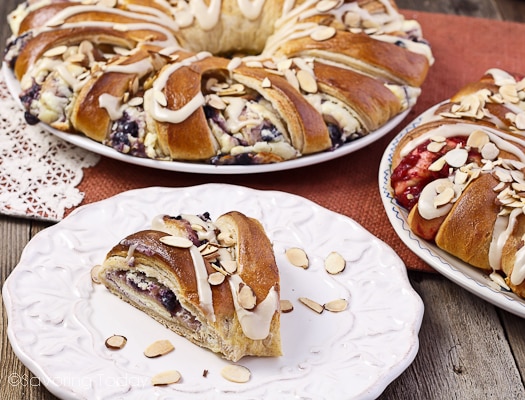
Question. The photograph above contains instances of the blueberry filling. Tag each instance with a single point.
(150, 286)
(125, 137)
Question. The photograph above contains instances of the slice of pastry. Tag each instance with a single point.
(214, 283)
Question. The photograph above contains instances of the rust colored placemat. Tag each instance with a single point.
(464, 48)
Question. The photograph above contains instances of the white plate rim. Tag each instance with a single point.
(466, 276)
(202, 168)
(375, 388)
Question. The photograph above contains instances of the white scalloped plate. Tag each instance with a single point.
(58, 320)
(468, 277)
(96, 147)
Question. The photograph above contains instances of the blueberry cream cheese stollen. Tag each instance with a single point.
(216, 283)
(218, 81)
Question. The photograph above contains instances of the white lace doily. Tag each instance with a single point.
(38, 171)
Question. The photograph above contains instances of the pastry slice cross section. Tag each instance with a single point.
(165, 272)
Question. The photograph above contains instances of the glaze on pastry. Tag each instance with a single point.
(221, 81)
(172, 281)
(460, 173)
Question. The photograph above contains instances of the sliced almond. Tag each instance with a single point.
(216, 278)
(336, 305)
(116, 342)
(158, 348)
(166, 378)
(229, 266)
(286, 306)
(327, 5)
(297, 257)
(478, 139)
(236, 373)
(444, 197)
(160, 98)
(334, 263)
(438, 164)
(490, 151)
(266, 83)
(456, 157)
(246, 297)
(307, 81)
(323, 33)
(435, 147)
(95, 272)
(176, 241)
(318, 308)
(55, 51)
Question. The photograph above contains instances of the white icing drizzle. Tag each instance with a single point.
(141, 68)
(251, 9)
(255, 324)
(501, 231)
(207, 16)
(518, 272)
(203, 286)
(112, 105)
(164, 114)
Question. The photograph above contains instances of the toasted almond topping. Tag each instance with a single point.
(158, 348)
(176, 241)
(352, 19)
(438, 164)
(456, 157)
(460, 177)
(160, 98)
(166, 378)
(229, 266)
(435, 147)
(136, 101)
(236, 373)
(337, 305)
(291, 78)
(107, 3)
(307, 81)
(438, 138)
(246, 297)
(444, 197)
(55, 51)
(318, 308)
(327, 5)
(490, 151)
(266, 83)
(503, 175)
(334, 263)
(216, 278)
(297, 257)
(323, 33)
(116, 342)
(286, 306)
(207, 250)
(520, 121)
(94, 273)
(499, 187)
(478, 139)
(226, 239)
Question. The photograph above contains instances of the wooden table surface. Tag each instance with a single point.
(469, 349)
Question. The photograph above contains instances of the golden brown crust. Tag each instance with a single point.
(466, 232)
(392, 63)
(374, 103)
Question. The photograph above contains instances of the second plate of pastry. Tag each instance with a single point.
(451, 184)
